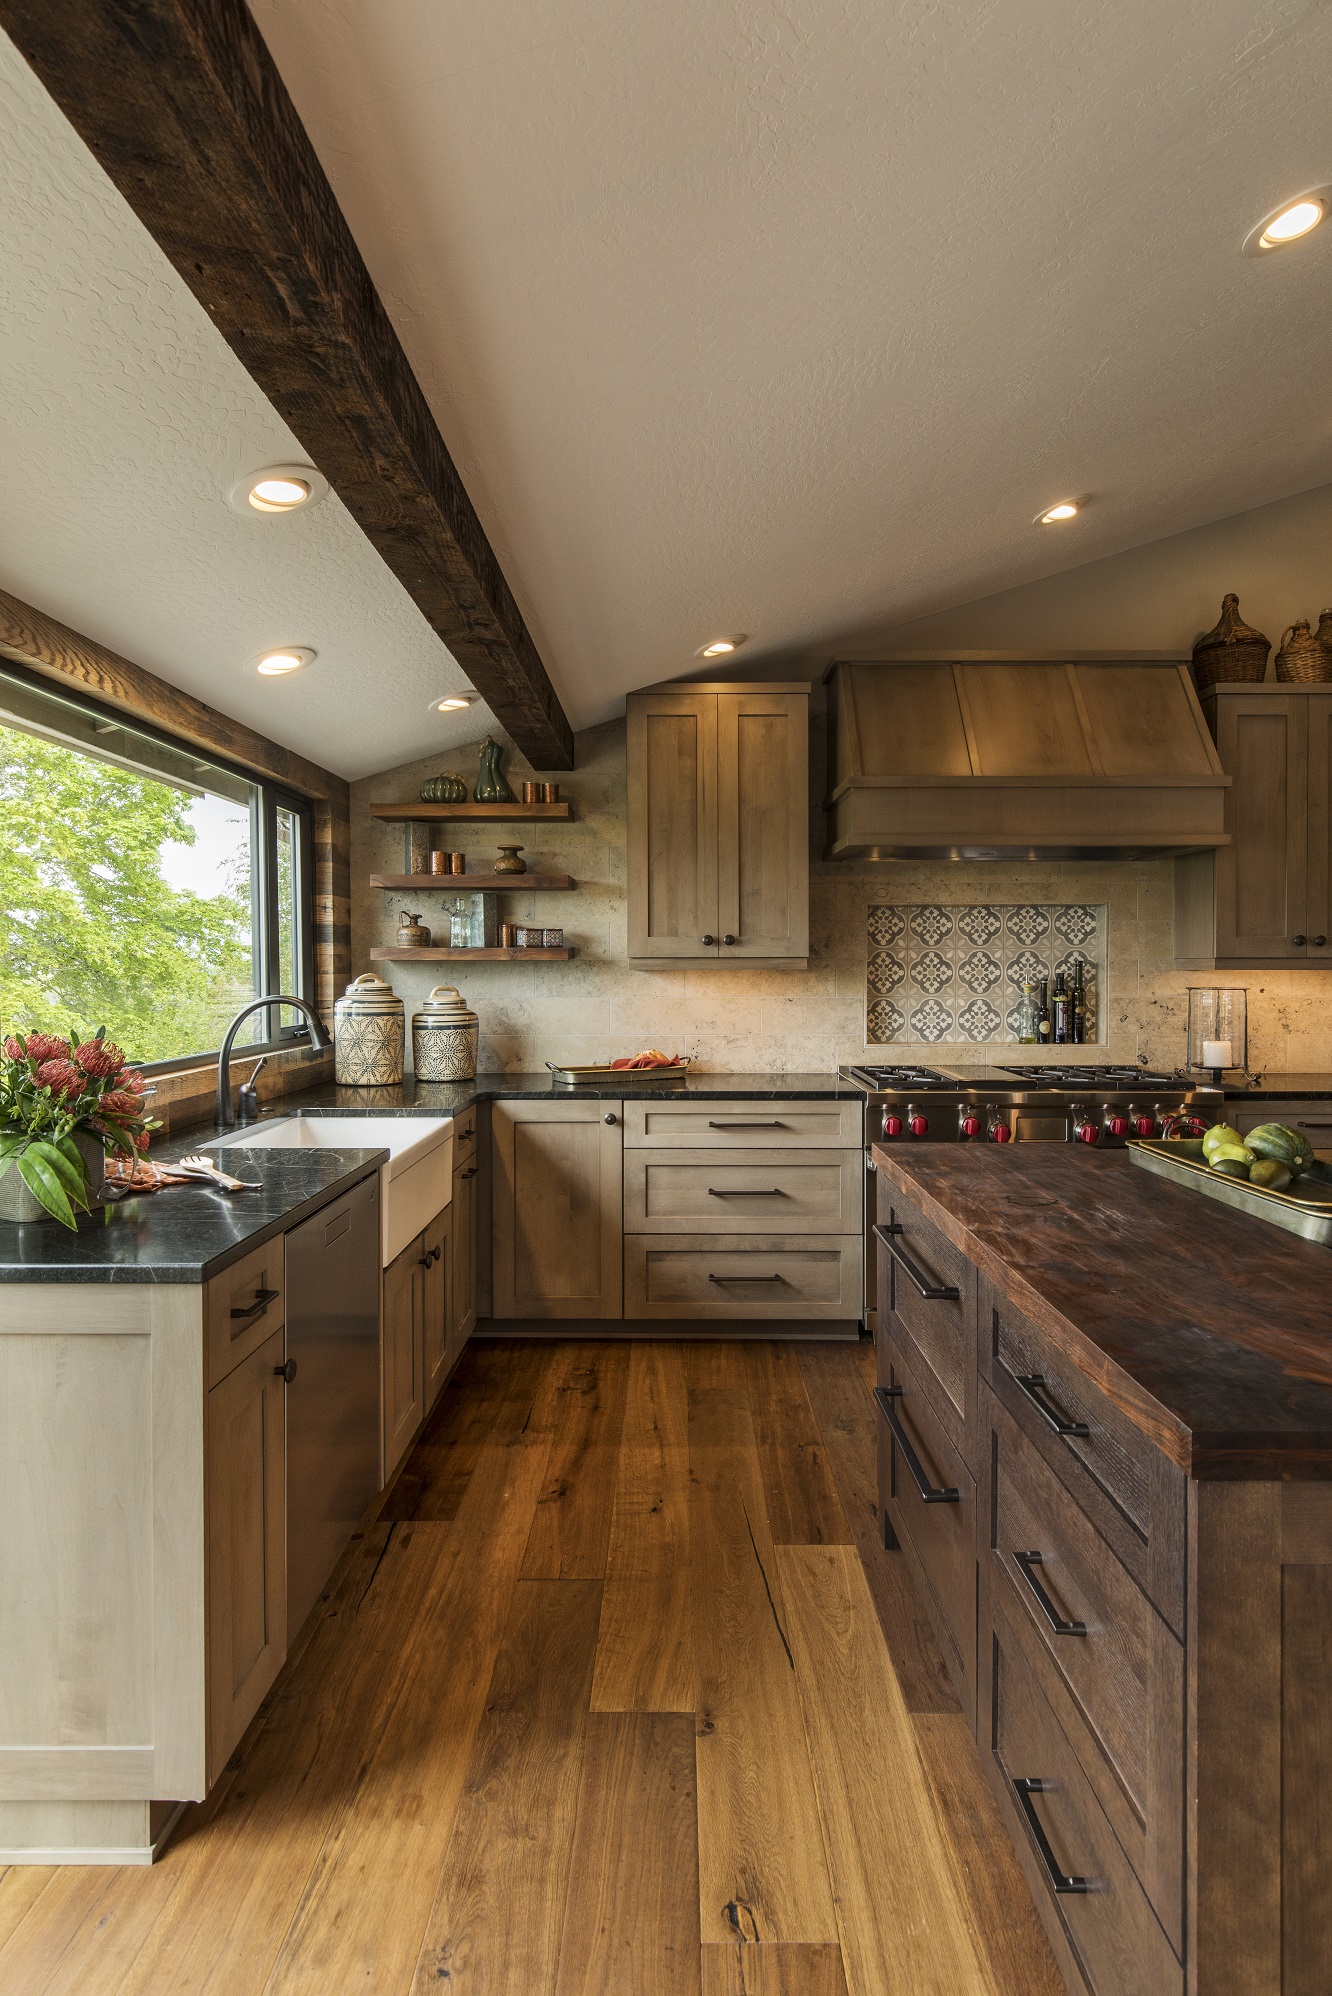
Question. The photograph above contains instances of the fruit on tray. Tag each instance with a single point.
(1221, 1137)
(1231, 1164)
(649, 1059)
(1271, 1174)
(1287, 1146)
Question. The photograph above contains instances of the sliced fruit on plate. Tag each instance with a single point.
(649, 1059)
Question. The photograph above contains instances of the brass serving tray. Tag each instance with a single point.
(1305, 1208)
(603, 1071)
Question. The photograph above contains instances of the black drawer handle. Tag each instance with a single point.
(1034, 1386)
(930, 1493)
(1025, 1789)
(470, 1172)
(746, 1126)
(1313, 1126)
(747, 1278)
(262, 1299)
(933, 1292)
(745, 1192)
(287, 1371)
(1027, 1562)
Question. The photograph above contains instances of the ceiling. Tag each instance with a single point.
(125, 420)
(782, 319)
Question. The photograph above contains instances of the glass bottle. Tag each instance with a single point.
(1043, 1026)
(1079, 1003)
(1061, 1009)
(1028, 1022)
(460, 930)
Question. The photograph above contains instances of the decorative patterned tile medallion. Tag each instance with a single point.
(936, 973)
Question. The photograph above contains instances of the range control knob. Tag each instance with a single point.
(1117, 1126)
(1144, 1126)
(1087, 1133)
(918, 1126)
(892, 1126)
(1000, 1133)
(971, 1126)
(1191, 1126)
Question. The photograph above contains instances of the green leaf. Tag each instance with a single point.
(71, 1176)
(46, 1188)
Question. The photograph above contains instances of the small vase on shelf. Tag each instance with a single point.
(509, 861)
(491, 785)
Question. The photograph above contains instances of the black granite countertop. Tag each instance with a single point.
(1282, 1088)
(187, 1233)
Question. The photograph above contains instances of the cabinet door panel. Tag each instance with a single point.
(402, 1333)
(436, 1291)
(247, 1543)
(672, 824)
(557, 1202)
(763, 824)
(462, 1306)
(1319, 901)
(1261, 884)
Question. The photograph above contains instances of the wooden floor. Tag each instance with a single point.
(621, 1697)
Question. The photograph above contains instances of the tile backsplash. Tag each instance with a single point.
(939, 972)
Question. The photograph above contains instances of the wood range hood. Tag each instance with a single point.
(1002, 757)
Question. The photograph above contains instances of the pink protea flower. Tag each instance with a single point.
(47, 1047)
(62, 1078)
(97, 1058)
(13, 1049)
(141, 1140)
(120, 1102)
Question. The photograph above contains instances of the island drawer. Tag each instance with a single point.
(244, 1305)
(816, 1192)
(1111, 1669)
(927, 1296)
(743, 1125)
(1133, 1494)
(742, 1276)
(1098, 1914)
(927, 1499)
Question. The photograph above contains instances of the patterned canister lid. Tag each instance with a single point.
(369, 993)
(445, 1006)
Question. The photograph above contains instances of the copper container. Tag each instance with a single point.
(550, 793)
(439, 862)
(532, 793)
(508, 936)
(412, 932)
(457, 862)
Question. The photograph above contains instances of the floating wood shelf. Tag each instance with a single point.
(490, 814)
(477, 883)
(433, 955)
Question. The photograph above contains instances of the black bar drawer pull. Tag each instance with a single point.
(744, 1192)
(1025, 1789)
(746, 1278)
(933, 1292)
(1034, 1386)
(746, 1126)
(262, 1299)
(1027, 1562)
(930, 1493)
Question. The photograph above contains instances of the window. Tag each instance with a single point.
(144, 887)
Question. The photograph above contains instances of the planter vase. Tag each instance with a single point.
(491, 784)
(17, 1203)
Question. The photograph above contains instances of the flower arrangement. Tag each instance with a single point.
(54, 1090)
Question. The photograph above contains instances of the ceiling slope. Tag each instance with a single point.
(182, 106)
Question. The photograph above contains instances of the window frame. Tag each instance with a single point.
(268, 796)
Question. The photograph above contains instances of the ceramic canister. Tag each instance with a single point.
(444, 1037)
(369, 1031)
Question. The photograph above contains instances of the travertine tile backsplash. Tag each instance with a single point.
(737, 1020)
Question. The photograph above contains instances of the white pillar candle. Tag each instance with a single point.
(1216, 1053)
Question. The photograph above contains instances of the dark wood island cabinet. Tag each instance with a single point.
(1106, 1453)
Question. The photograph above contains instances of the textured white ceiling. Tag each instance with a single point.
(124, 421)
(785, 316)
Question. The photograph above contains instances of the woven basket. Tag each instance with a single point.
(1302, 659)
(1233, 651)
(1324, 631)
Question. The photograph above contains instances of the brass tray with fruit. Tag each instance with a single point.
(1272, 1173)
(649, 1066)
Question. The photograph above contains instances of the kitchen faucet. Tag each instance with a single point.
(319, 1039)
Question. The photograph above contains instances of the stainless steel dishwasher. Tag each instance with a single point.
(333, 1387)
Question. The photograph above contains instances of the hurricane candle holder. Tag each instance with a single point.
(1218, 1028)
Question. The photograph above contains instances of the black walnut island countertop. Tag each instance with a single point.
(1211, 1330)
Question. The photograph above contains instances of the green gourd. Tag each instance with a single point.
(1287, 1146)
(491, 787)
(444, 790)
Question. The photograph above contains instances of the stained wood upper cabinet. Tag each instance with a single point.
(718, 823)
(1265, 897)
(558, 1202)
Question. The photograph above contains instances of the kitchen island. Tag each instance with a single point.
(1106, 1451)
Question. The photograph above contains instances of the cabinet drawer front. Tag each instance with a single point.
(1131, 1493)
(927, 1292)
(744, 1125)
(819, 1192)
(917, 1463)
(1060, 1830)
(464, 1137)
(1112, 1670)
(244, 1306)
(742, 1275)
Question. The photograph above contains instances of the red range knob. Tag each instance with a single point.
(892, 1126)
(1087, 1133)
(1000, 1133)
(971, 1126)
(1144, 1126)
(1118, 1126)
(918, 1126)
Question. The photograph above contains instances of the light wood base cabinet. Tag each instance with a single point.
(778, 1277)
(558, 1194)
(462, 1300)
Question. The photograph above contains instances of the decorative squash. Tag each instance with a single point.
(491, 786)
(1287, 1146)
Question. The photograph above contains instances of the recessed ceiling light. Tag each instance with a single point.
(452, 703)
(1064, 509)
(279, 488)
(1289, 222)
(718, 647)
(286, 658)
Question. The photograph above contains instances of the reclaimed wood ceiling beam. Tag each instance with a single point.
(182, 105)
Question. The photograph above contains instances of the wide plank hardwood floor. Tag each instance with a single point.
(621, 1696)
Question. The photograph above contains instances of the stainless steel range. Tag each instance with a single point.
(1029, 1103)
